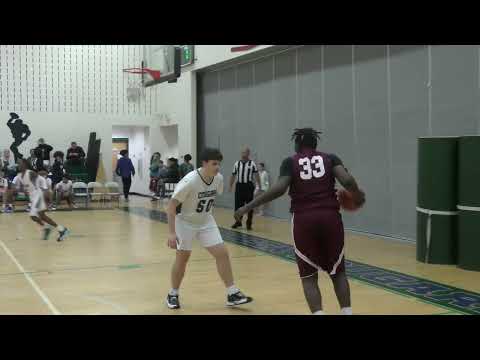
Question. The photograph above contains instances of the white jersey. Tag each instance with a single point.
(62, 187)
(197, 198)
(37, 186)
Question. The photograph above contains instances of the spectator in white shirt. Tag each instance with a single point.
(64, 191)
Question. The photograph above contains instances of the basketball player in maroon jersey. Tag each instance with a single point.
(317, 225)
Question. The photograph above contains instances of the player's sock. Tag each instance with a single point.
(60, 228)
(346, 311)
(319, 312)
(173, 292)
(232, 290)
(47, 226)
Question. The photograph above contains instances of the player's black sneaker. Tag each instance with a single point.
(237, 225)
(238, 299)
(173, 302)
(63, 234)
(46, 233)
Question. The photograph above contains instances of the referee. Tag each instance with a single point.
(243, 173)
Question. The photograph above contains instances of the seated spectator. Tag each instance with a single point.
(32, 159)
(57, 169)
(8, 166)
(64, 191)
(37, 162)
(4, 191)
(44, 152)
(75, 155)
(169, 174)
(163, 170)
(173, 172)
(186, 167)
(15, 189)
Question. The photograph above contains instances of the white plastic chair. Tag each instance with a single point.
(80, 189)
(112, 191)
(95, 189)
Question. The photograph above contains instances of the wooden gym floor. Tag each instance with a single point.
(117, 262)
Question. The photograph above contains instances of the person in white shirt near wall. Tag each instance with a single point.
(264, 184)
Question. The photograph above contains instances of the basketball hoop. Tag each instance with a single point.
(135, 86)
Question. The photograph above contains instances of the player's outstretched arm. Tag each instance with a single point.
(276, 191)
(349, 183)
(171, 213)
(231, 183)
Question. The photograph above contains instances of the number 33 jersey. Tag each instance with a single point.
(313, 181)
(197, 197)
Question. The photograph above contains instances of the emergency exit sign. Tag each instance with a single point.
(187, 56)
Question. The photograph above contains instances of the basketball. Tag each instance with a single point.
(346, 201)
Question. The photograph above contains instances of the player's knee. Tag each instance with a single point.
(219, 252)
(183, 257)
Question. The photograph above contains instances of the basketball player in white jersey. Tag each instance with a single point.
(196, 194)
(37, 188)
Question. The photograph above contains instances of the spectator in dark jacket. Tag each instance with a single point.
(75, 155)
(58, 170)
(126, 170)
(44, 152)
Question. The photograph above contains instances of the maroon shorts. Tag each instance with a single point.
(319, 242)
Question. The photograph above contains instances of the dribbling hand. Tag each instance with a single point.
(172, 241)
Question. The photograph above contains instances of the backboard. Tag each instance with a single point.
(164, 58)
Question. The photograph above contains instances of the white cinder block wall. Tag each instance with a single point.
(63, 92)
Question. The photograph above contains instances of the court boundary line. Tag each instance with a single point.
(32, 282)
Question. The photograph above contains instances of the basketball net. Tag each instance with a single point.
(135, 88)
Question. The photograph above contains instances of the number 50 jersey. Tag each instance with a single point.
(313, 181)
(197, 197)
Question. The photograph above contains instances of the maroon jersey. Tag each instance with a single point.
(313, 181)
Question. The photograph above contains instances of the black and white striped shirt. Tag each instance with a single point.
(244, 171)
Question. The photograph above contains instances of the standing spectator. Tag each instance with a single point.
(243, 173)
(264, 184)
(186, 167)
(75, 155)
(58, 170)
(154, 174)
(44, 152)
(126, 170)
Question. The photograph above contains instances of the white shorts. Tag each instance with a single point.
(37, 200)
(208, 235)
